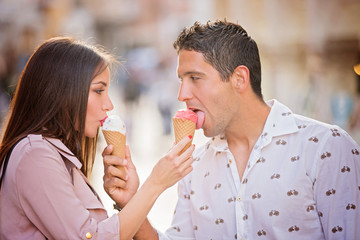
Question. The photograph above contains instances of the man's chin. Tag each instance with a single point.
(211, 132)
(208, 133)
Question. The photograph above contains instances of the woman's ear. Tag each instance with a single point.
(240, 78)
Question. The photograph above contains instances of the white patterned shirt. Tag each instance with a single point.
(302, 181)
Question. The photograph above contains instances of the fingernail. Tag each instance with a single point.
(190, 136)
(125, 162)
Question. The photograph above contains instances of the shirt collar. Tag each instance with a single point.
(219, 143)
(64, 151)
(280, 121)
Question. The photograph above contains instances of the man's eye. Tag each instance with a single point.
(194, 78)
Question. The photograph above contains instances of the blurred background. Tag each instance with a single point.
(310, 51)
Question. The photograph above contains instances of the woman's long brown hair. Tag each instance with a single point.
(52, 94)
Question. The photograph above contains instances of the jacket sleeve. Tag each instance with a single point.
(48, 199)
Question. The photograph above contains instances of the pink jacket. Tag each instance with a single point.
(45, 195)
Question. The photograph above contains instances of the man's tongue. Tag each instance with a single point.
(200, 119)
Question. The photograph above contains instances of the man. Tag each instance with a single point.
(266, 172)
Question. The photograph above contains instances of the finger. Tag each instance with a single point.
(114, 160)
(180, 145)
(187, 171)
(108, 150)
(185, 164)
(128, 157)
(114, 183)
(185, 155)
(116, 172)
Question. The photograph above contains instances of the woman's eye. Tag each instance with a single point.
(98, 91)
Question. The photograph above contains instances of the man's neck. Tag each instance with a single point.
(248, 125)
(243, 133)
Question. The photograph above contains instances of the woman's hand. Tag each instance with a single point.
(121, 180)
(172, 167)
(122, 184)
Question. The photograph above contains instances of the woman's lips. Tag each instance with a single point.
(102, 121)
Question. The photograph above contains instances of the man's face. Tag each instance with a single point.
(203, 90)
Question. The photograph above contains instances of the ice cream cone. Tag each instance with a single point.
(183, 128)
(118, 140)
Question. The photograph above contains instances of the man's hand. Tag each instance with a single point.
(121, 180)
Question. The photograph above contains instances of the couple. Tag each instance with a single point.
(265, 173)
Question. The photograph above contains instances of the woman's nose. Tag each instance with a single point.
(108, 105)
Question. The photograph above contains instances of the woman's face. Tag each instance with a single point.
(98, 103)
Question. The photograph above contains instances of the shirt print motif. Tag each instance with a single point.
(299, 171)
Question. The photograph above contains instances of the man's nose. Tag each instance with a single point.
(184, 92)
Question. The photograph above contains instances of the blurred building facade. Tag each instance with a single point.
(308, 51)
(307, 47)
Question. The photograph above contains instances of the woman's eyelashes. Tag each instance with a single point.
(99, 91)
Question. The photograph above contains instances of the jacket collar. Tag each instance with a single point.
(64, 151)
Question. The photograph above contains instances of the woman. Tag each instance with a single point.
(48, 148)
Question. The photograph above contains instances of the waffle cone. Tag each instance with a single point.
(118, 140)
(183, 128)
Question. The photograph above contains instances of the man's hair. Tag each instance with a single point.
(52, 94)
(225, 46)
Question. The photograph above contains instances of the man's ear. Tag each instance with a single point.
(240, 78)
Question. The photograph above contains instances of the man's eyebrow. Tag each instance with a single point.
(100, 82)
(191, 73)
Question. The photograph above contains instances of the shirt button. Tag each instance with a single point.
(88, 235)
(239, 199)
(230, 161)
